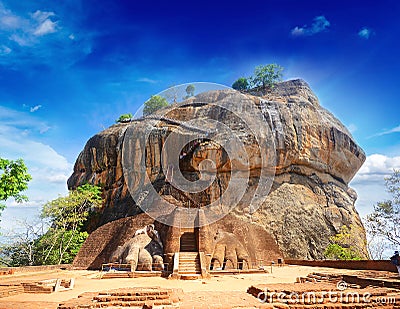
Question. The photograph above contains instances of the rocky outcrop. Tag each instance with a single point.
(314, 158)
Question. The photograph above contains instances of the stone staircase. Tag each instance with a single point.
(189, 265)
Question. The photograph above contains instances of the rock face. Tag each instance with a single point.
(314, 158)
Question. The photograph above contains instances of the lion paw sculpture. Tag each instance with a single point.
(143, 251)
(228, 252)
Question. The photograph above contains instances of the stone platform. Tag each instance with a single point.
(129, 297)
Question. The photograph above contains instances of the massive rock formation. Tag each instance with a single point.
(315, 158)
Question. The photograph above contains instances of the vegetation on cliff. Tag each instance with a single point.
(124, 118)
(346, 244)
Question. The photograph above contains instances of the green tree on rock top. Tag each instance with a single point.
(153, 104)
(241, 84)
(266, 76)
(189, 91)
(124, 118)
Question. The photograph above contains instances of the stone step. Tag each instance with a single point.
(131, 298)
(189, 264)
(136, 292)
(9, 290)
(112, 275)
(131, 304)
(189, 260)
(188, 253)
(190, 276)
(189, 269)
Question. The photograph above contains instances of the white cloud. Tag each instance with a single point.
(376, 167)
(8, 20)
(5, 50)
(365, 33)
(297, 31)
(146, 80)
(25, 31)
(369, 182)
(46, 27)
(41, 16)
(390, 131)
(48, 168)
(320, 24)
(35, 108)
(41, 37)
(11, 120)
(21, 39)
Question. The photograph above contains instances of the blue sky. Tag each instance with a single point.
(68, 69)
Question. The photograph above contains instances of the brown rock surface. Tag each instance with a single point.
(316, 157)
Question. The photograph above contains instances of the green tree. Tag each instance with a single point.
(153, 104)
(266, 76)
(348, 244)
(67, 216)
(189, 91)
(241, 84)
(384, 222)
(14, 178)
(124, 118)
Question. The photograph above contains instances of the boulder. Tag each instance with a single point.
(314, 155)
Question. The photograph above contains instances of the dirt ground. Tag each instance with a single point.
(89, 281)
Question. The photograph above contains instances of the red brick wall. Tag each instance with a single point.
(383, 265)
(24, 269)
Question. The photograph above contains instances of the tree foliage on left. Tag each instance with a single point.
(153, 104)
(14, 178)
(66, 217)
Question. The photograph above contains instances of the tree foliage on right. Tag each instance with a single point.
(384, 222)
